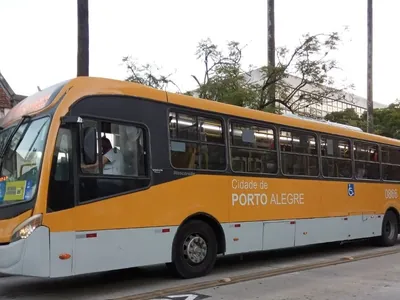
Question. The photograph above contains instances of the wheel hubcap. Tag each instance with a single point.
(195, 249)
(389, 228)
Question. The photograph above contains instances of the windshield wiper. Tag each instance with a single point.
(34, 141)
(7, 144)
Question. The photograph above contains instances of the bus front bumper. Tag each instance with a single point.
(11, 257)
(29, 257)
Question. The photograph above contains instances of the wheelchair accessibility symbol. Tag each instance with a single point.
(350, 190)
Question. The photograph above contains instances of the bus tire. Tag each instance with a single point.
(390, 229)
(194, 250)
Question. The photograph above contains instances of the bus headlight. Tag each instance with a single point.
(25, 229)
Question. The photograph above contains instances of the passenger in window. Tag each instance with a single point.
(112, 158)
(374, 156)
(361, 173)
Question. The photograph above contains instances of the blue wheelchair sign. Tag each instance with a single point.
(350, 190)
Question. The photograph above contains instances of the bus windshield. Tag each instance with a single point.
(22, 160)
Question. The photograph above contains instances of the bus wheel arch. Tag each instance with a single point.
(396, 212)
(199, 237)
(390, 227)
(215, 225)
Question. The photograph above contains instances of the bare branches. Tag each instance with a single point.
(223, 78)
(303, 78)
(147, 74)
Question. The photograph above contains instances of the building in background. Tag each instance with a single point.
(319, 111)
(8, 99)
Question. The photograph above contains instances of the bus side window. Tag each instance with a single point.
(390, 163)
(196, 142)
(366, 162)
(122, 162)
(61, 189)
(299, 156)
(253, 148)
(336, 159)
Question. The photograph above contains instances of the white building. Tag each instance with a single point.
(319, 111)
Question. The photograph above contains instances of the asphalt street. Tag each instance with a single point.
(371, 279)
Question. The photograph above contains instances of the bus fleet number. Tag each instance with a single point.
(391, 194)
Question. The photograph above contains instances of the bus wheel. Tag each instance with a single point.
(194, 251)
(390, 229)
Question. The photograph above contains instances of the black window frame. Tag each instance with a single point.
(147, 161)
(73, 168)
(281, 153)
(198, 142)
(351, 159)
(387, 164)
(353, 152)
(262, 125)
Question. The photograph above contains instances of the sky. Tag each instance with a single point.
(39, 38)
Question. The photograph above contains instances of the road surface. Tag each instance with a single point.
(371, 279)
(125, 283)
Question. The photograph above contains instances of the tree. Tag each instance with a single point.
(147, 74)
(346, 117)
(310, 65)
(386, 120)
(223, 80)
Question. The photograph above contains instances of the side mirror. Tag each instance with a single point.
(89, 146)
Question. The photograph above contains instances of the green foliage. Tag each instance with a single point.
(347, 117)
(308, 67)
(386, 120)
(311, 67)
(222, 79)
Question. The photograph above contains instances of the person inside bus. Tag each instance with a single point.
(112, 159)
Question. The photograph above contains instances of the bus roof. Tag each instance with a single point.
(32, 104)
(111, 86)
(86, 86)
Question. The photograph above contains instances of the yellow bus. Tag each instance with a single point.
(100, 174)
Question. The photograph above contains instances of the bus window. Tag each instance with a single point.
(366, 161)
(253, 149)
(122, 162)
(336, 159)
(391, 163)
(61, 187)
(299, 153)
(196, 142)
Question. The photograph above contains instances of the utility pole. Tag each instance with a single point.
(271, 50)
(83, 38)
(370, 102)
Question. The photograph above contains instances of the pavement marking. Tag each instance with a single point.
(253, 276)
(192, 296)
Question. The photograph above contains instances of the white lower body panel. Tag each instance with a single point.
(62, 254)
(29, 257)
(97, 251)
(244, 237)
